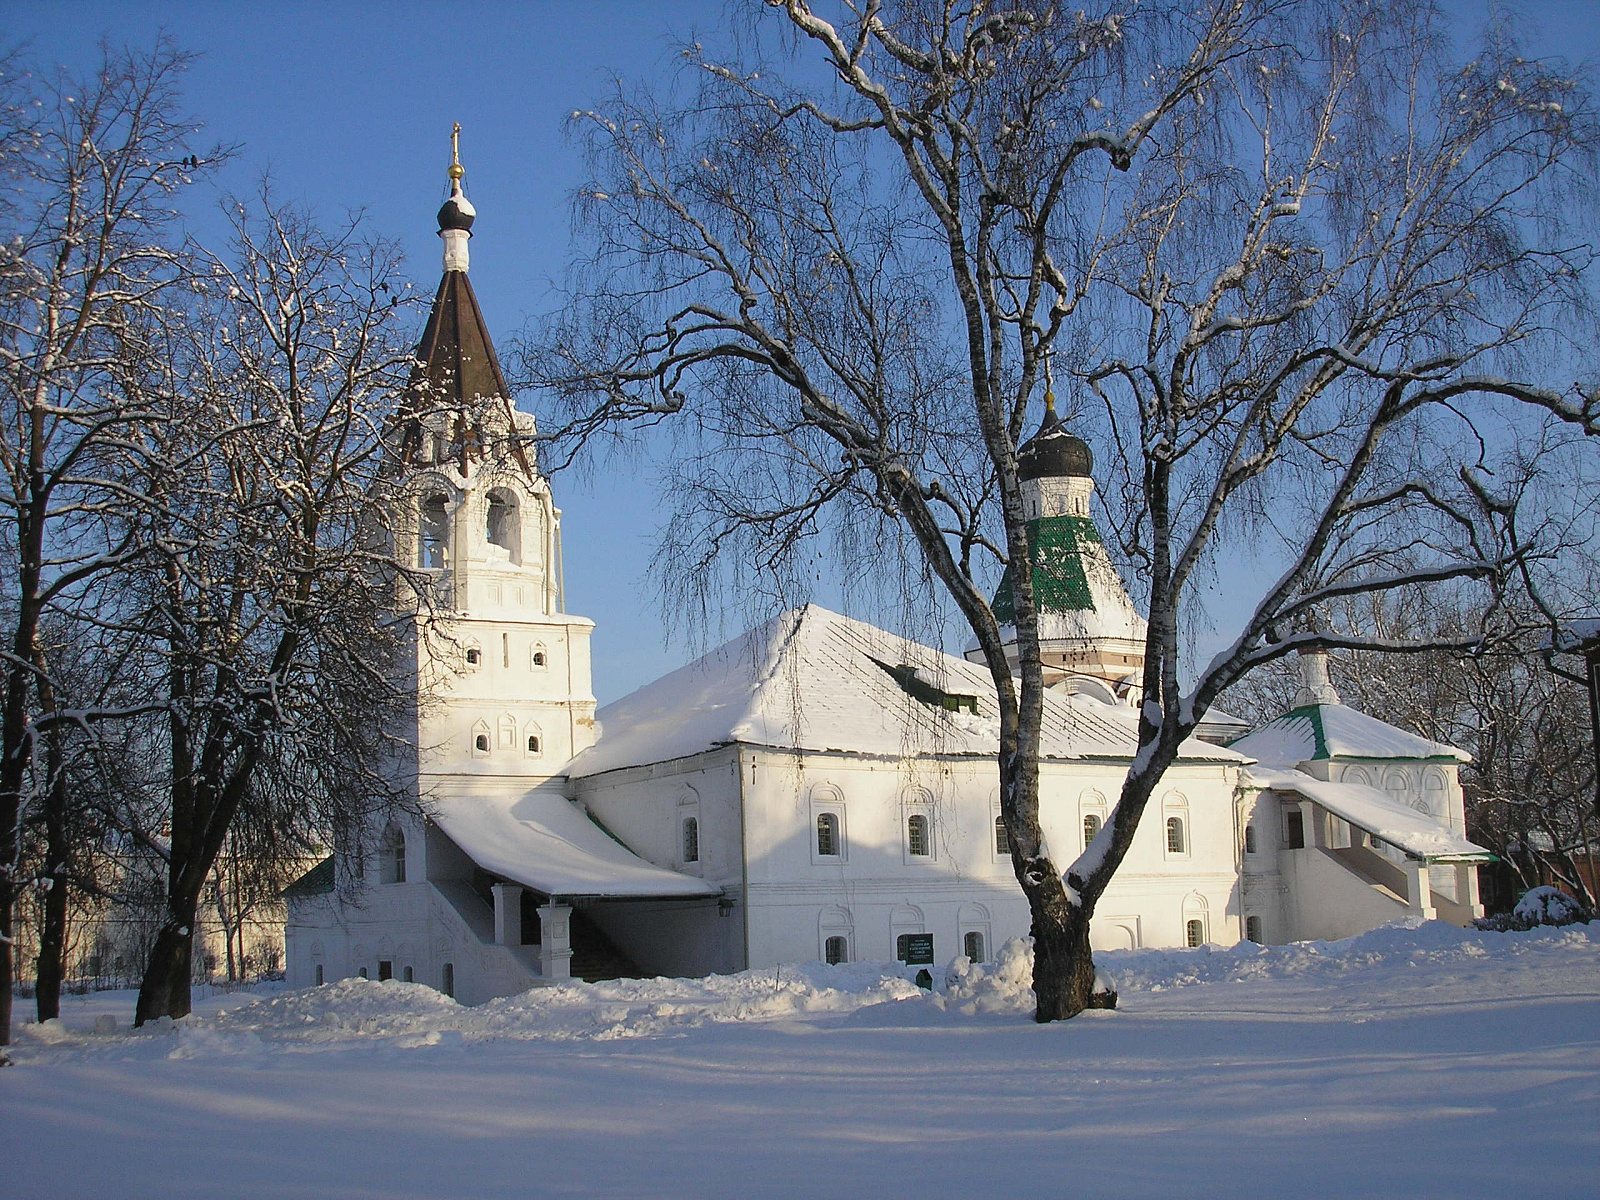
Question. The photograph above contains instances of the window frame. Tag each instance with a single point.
(689, 838)
(826, 798)
(966, 945)
(827, 825)
(919, 830)
(1175, 823)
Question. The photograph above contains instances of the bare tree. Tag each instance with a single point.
(86, 252)
(270, 612)
(1276, 240)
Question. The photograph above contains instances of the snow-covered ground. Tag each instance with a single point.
(1406, 1062)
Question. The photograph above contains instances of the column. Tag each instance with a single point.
(1467, 888)
(1419, 893)
(555, 940)
(507, 914)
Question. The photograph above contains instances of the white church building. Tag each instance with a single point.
(817, 788)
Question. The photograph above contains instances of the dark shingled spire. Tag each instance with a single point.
(456, 358)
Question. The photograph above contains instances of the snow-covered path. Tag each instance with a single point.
(1417, 1063)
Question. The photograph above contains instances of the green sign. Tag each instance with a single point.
(916, 948)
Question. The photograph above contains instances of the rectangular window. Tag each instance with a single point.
(1295, 823)
(449, 979)
(385, 969)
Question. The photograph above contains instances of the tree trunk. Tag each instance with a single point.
(50, 965)
(164, 991)
(1063, 964)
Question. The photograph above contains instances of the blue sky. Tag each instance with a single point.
(349, 106)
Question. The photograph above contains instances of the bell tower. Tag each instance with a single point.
(482, 532)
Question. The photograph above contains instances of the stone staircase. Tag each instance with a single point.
(594, 955)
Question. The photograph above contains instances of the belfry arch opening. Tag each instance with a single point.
(434, 543)
(504, 525)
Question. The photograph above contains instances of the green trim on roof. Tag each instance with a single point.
(1060, 583)
(316, 882)
(1313, 714)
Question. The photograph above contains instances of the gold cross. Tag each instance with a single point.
(456, 169)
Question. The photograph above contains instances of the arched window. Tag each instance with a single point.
(1252, 930)
(691, 839)
(1175, 839)
(319, 974)
(538, 659)
(1249, 839)
(533, 743)
(1002, 836)
(836, 949)
(972, 946)
(474, 656)
(828, 835)
(504, 528)
(361, 971)
(1194, 933)
(392, 856)
(435, 533)
(1092, 824)
(917, 843)
(480, 738)
(408, 975)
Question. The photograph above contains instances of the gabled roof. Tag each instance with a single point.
(545, 842)
(1324, 731)
(811, 679)
(1376, 812)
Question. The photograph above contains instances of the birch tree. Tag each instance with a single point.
(1271, 240)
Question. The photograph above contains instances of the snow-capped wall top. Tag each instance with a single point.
(1319, 731)
(811, 679)
(545, 842)
(1374, 811)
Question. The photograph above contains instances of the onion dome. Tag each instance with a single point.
(1054, 453)
(457, 212)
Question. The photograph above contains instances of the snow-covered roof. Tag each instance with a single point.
(545, 842)
(1319, 731)
(1374, 811)
(811, 679)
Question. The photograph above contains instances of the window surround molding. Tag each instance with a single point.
(1196, 910)
(687, 811)
(1092, 805)
(997, 855)
(482, 739)
(974, 919)
(1175, 807)
(919, 802)
(836, 921)
(826, 798)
